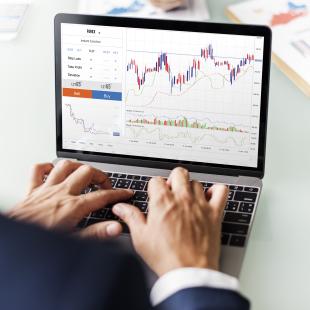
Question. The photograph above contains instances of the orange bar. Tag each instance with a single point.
(80, 93)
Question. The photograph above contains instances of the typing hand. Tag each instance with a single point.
(183, 227)
(57, 203)
(168, 4)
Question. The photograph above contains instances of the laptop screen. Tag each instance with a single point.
(163, 94)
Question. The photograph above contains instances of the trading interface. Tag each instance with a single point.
(162, 94)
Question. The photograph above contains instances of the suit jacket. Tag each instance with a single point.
(42, 270)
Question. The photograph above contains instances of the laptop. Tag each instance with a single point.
(139, 97)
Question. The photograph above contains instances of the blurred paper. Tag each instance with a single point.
(290, 24)
(196, 10)
(11, 18)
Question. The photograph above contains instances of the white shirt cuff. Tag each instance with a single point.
(183, 278)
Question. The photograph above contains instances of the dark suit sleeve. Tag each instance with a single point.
(204, 298)
(43, 270)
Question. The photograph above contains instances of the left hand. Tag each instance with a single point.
(57, 203)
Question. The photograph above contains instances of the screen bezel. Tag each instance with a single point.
(251, 30)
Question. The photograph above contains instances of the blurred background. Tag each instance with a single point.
(276, 270)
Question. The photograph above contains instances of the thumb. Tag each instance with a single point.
(132, 216)
(101, 230)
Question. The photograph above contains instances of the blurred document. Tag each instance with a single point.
(290, 24)
(11, 18)
(196, 10)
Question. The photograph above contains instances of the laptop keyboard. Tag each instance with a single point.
(236, 219)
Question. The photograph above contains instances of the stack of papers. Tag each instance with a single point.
(196, 10)
(290, 24)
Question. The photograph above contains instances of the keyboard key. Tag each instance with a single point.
(113, 181)
(224, 239)
(232, 205)
(83, 223)
(137, 185)
(243, 218)
(140, 196)
(236, 187)
(251, 189)
(119, 175)
(111, 216)
(94, 187)
(125, 228)
(109, 174)
(122, 183)
(245, 196)
(246, 207)
(237, 240)
(231, 195)
(141, 205)
(92, 221)
(210, 184)
(144, 178)
(231, 228)
(86, 190)
(99, 214)
(133, 177)
(204, 184)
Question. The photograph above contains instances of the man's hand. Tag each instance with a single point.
(183, 227)
(57, 203)
(167, 5)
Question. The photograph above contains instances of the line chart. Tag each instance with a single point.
(81, 122)
(188, 135)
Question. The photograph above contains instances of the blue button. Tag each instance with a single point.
(107, 95)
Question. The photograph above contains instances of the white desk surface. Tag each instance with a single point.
(276, 270)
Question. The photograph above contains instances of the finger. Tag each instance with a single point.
(179, 181)
(218, 198)
(158, 188)
(61, 171)
(84, 176)
(96, 200)
(134, 219)
(101, 230)
(39, 172)
(198, 191)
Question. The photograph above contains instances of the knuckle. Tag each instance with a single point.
(87, 168)
(64, 163)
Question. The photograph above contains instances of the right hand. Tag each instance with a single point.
(183, 227)
(167, 5)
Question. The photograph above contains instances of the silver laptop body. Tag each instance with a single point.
(133, 100)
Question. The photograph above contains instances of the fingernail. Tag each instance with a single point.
(118, 209)
(113, 230)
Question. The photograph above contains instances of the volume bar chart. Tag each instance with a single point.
(184, 123)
